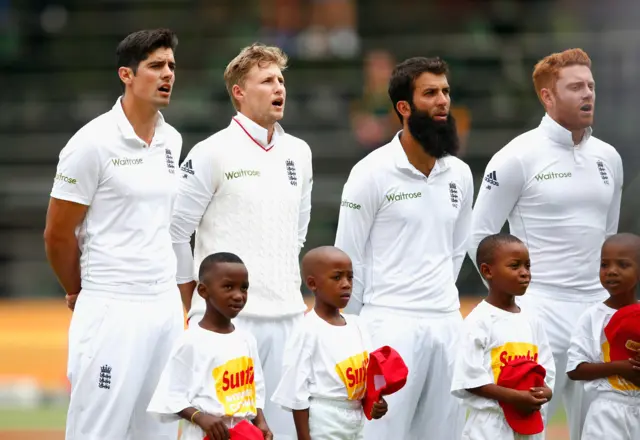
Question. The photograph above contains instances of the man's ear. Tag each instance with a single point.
(485, 271)
(126, 75)
(547, 97)
(404, 108)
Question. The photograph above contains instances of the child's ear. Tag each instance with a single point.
(202, 290)
(485, 271)
(311, 283)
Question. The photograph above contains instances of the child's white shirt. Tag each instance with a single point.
(218, 374)
(589, 344)
(324, 361)
(492, 337)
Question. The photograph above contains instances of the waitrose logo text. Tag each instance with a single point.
(551, 176)
(125, 161)
(402, 196)
(241, 173)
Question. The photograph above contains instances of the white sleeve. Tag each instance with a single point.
(545, 355)
(198, 183)
(258, 375)
(305, 202)
(360, 204)
(463, 225)
(78, 173)
(173, 392)
(613, 217)
(292, 393)
(496, 198)
(583, 347)
(469, 368)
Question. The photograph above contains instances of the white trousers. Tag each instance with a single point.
(491, 425)
(613, 416)
(118, 346)
(271, 335)
(336, 419)
(559, 318)
(428, 346)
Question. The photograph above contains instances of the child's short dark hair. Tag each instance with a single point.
(213, 259)
(488, 246)
(627, 239)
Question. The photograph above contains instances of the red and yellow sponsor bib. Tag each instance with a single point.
(501, 356)
(235, 386)
(353, 373)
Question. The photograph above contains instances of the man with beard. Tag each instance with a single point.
(560, 189)
(404, 221)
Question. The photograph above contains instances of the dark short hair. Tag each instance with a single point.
(403, 78)
(490, 244)
(137, 47)
(220, 257)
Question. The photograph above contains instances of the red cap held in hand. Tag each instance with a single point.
(623, 333)
(244, 430)
(522, 374)
(386, 374)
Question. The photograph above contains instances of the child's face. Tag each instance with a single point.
(333, 282)
(510, 271)
(225, 290)
(618, 268)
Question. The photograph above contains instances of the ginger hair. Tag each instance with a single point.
(256, 54)
(547, 71)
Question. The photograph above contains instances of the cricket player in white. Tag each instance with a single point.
(404, 221)
(107, 239)
(560, 189)
(247, 190)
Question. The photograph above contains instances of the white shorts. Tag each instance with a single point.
(427, 343)
(335, 419)
(118, 346)
(613, 416)
(491, 425)
(271, 335)
(559, 318)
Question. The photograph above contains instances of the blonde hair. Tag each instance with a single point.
(256, 54)
(546, 72)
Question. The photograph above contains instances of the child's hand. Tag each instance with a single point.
(213, 426)
(629, 370)
(379, 409)
(266, 432)
(526, 403)
(542, 392)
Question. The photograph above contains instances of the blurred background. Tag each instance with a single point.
(57, 71)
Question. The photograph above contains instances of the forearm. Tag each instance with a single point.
(186, 293)
(63, 254)
(301, 420)
(188, 414)
(591, 371)
(494, 392)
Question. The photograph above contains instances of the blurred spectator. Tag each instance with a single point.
(373, 118)
(332, 30)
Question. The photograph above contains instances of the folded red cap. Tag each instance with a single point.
(522, 374)
(623, 333)
(244, 431)
(386, 374)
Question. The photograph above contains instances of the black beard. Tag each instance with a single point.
(438, 139)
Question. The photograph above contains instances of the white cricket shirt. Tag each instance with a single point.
(129, 187)
(589, 344)
(492, 337)
(324, 361)
(251, 198)
(218, 374)
(561, 200)
(406, 233)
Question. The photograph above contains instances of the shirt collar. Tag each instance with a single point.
(127, 129)
(257, 133)
(561, 135)
(402, 161)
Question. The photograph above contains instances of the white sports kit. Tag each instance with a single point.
(252, 198)
(406, 235)
(128, 314)
(615, 411)
(218, 374)
(562, 200)
(491, 338)
(325, 370)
